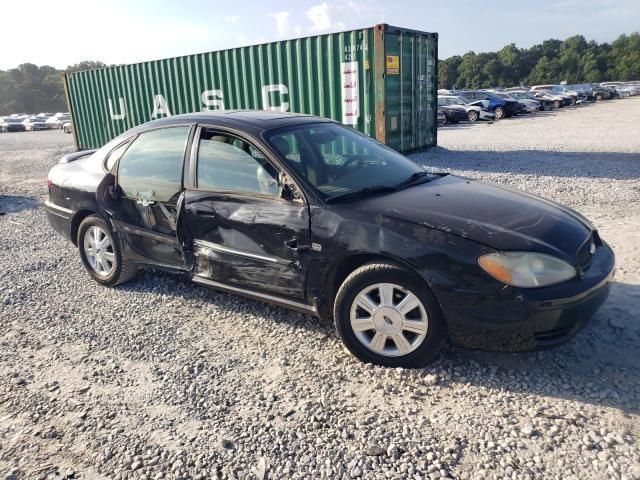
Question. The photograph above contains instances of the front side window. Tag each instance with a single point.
(337, 160)
(227, 163)
(151, 168)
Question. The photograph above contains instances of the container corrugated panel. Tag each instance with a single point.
(344, 76)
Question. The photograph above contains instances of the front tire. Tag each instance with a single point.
(385, 314)
(473, 116)
(101, 254)
(500, 113)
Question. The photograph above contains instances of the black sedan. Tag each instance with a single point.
(313, 216)
(454, 114)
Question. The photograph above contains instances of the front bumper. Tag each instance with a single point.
(528, 319)
(485, 115)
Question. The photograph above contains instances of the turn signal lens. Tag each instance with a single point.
(49, 183)
(493, 268)
(526, 269)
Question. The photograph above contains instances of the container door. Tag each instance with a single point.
(410, 71)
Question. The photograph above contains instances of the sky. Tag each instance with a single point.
(61, 33)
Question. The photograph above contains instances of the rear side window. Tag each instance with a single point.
(227, 163)
(151, 168)
(115, 155)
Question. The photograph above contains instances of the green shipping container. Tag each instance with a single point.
(380, 80)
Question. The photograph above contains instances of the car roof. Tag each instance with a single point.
(255, 120)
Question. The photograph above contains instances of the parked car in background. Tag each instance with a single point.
(3, 125)
(454, 113)
(558, 100)
(528, 105)
(500, 106)
(545, 102)
(612, 92)
(14, 125)
(33, 124)
(475, 110)
(574, 96)
(308, 214)
(622, 90)
(58, 120)
(441, 118)
(585, 89)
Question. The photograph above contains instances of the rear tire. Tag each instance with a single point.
(397, 337)
(103, 260)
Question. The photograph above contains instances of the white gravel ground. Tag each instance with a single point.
(160, 378)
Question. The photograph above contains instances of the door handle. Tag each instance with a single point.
(204, 212)
(293, 245)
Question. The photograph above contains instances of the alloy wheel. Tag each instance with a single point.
(99, 251)
(389, 320)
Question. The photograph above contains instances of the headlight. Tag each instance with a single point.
(526, 269)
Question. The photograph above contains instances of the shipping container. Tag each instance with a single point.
(380, 80)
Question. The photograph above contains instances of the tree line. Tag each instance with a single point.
(33, 89)
(573, 60)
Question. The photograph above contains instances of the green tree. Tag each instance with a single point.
(33, 89)
(448, 72)
(573, 60)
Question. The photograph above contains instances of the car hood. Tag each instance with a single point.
(495, 216)
(480, 103)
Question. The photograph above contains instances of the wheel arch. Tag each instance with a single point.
(77, 219)
(344, 266)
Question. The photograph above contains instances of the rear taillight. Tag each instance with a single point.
(49, 183)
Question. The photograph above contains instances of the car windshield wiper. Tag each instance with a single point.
(413, 178)
(362, 192)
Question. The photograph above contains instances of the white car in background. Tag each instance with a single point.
(33, 124)
(475, 110)
(58, 120)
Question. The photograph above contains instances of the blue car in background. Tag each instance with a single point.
(502, 107)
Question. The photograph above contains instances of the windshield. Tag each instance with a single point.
(337, 160)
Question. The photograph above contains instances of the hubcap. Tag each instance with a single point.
(99, 251)
(389, 320)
